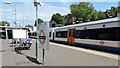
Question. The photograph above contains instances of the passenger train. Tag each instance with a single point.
(101, 34)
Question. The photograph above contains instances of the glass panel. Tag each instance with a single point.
(70, 33)
(99, 34)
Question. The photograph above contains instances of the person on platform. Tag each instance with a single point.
(28, 41)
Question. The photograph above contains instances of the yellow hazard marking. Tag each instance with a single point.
(90, 51)
(43, 39)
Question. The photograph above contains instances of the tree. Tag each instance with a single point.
(68, 19)
(118, 9)
(0, 23)
(94, 16)
(82, 11)
(3, 23)
(39, 21)
(58, 18)
(113, 12)
(101, 15)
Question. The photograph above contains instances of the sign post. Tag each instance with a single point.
(44, 37)
(36, 3)
(43, 55)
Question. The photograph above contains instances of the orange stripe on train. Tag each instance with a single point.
(92, 44)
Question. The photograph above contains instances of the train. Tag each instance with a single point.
(100, 35)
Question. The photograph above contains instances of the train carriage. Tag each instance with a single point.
(32, 34)
(101, 34)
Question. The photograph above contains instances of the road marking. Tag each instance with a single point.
(90, 51)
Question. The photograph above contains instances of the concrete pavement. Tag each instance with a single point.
(57, 56)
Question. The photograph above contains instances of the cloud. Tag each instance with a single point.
(47, 11)
(27, 9)
(1, 14)
(1, 9)
(5, 9)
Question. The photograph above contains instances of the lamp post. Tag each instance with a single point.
(6, 2)
(36, 3)
(6, 31)
(14, 11)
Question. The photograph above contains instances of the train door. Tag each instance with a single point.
(53, 35)
(71, 38)
(35, 34)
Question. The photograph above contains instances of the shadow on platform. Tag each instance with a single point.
(28, 57)
(12, 46)
(3, 50)
(33, 60)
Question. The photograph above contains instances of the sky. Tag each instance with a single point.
(25, 10)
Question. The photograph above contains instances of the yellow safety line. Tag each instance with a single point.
(90, 51)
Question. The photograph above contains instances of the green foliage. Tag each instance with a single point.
(58, 18)
(101, 15)
(94, 16)
(69, 19)
(0, 23)
(113, 13)
(118, 9)
(39, 21)
(82, 11)
(3, 23)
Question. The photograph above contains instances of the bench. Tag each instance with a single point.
(23, 46)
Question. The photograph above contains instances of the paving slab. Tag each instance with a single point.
(58, 55)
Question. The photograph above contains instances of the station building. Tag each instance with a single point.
(6, 31)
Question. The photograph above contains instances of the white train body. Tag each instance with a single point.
(101, 33)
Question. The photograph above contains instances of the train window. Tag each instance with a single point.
(62, 34)
(33, 34)
(81, 34)
(117, 34)
(29, 34)
(74, 32)
(77, 35)
(49, 34)
(70, 33)
(104, 34)
(84, 34)
(58, 34)
(99, 34)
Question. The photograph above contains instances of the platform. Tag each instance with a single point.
(58, 55)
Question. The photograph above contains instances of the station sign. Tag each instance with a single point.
(44, 35)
